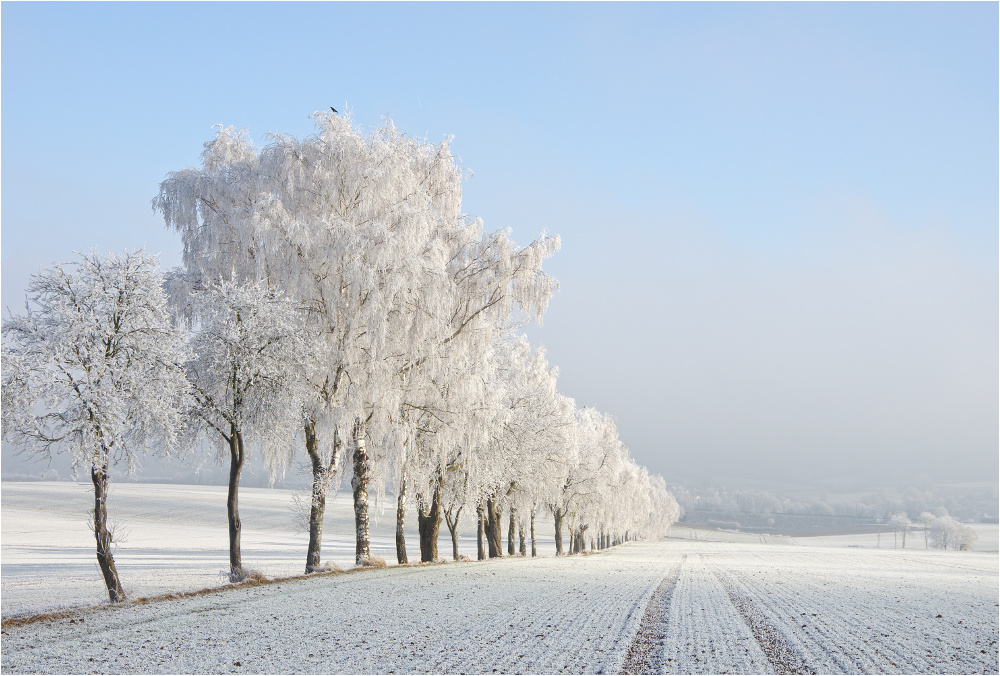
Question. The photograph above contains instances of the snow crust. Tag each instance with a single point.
(836, 609)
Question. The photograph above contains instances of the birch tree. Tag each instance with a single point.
(246, 383)
(93, 368)
(367, 232)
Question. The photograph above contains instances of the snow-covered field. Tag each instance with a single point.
(710, 604)
(176, 538)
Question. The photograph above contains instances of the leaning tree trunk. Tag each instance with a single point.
(522, 547)
(236, 458)
(106, 561)
(534, 550)
(452, 522)
(359, 483)
(322, 474)
(480, 532)
(400, 518)
(429, 522)
(493, 529)
(511, 532)
(557, 515)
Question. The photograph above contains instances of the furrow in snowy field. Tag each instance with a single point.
(851, 612)
(782, 656)
(704, 633)
(644, 654)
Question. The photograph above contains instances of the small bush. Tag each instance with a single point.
(328, 567)
(463, 557)
(372, 562)
(249, 575)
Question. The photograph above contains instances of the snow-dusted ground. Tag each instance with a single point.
(737, 606)
(176, 538)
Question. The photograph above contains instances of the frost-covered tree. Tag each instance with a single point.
(900, 524)
(966, 537)
(367, 232)
(520, 414)
(666, 511)
(926, 519)
(596, 446)
(246, 381)
(93, 368)
(946, 532)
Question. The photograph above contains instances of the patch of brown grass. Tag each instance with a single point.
(21, 620)
(372, 562)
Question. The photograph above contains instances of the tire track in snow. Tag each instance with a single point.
(773, 643)
(641, 657)
(896, 617)
(704, 632)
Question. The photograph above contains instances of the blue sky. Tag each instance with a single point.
(779, 221)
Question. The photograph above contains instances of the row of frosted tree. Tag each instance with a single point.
(334, 298)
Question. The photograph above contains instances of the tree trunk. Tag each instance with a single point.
(359, 483)
(453, 529)
(579, 540)
(236, 458)
(400, 518)
(322, 474)
(480, 532)
(534, 549)
(429, 521)
(522, 547)
(511, 532)
(557, 515)
(106, 561)
(493, 529)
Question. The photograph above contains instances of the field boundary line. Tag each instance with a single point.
(640, 656)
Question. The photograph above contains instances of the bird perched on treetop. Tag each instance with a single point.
(333, 109)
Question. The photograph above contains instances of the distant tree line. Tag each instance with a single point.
(969, 505)
(334, 298)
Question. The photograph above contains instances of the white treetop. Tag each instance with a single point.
(245, 368)
(367, 232)
(93, 367)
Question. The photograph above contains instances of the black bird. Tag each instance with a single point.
(333, 109)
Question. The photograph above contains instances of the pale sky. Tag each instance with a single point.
(779, 221)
